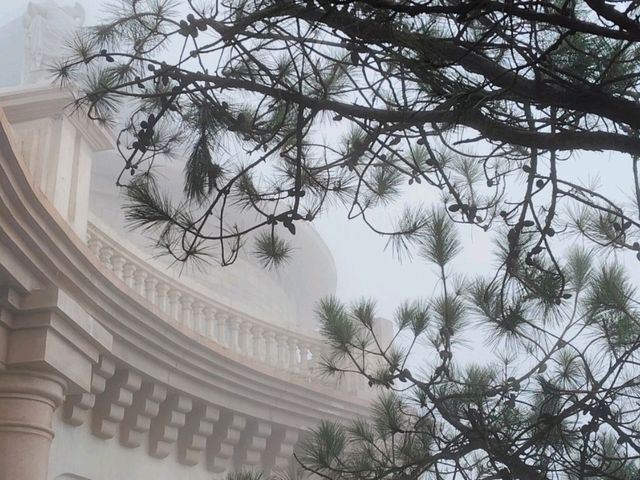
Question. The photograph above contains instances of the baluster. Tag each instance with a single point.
(294, 364)
(117, 263)
(258, 343)
(139, 278)
(221, 330)
(304, 358)
(94, 245)
(281, 351)
(162, 292)
(335, 381)
(186, 312)
(105, 257)
(234, 331)
(270, 355)
(210, 316)
(198, 317)
(127, 273)
(245, 337)
(151, 292)
(325, 352)
(174, 303)
(315, 359)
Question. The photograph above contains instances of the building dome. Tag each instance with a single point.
(284, 296)
(117, 364)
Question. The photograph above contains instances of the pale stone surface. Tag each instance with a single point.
(284, 297)
(57, 148)
(28, 399)
(47, 25)
(96, 459)
(118, 365)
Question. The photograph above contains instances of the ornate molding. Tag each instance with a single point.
(287, 350)
(199, 426)
(148, 360)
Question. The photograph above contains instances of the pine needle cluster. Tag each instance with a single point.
(286, 109)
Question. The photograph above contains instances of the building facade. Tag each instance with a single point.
(115, 365)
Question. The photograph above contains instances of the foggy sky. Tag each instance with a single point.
(365, 269)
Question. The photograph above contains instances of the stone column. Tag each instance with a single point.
(49, 346)
(28, 399)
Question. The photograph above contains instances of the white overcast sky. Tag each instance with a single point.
(364, 268)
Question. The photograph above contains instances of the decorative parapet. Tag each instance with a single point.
(288, 351)
(137, 357)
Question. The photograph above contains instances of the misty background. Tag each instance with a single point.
(364, 267)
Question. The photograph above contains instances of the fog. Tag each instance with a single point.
(365, 268)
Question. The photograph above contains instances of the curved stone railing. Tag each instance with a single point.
(144, 366)
(286, 350)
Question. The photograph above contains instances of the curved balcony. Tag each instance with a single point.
(188, 307)
(286, 296)
(141, 370)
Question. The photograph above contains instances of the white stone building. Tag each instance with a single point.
(113, 365)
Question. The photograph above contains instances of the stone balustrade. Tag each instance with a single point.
(286, 350)
(132, 366)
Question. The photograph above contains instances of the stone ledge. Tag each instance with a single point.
(48, 248)
(46, 330)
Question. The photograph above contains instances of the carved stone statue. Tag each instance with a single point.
(49, 26)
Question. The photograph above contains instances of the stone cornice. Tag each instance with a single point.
(24, 104)
(52, 253)
(47, 330)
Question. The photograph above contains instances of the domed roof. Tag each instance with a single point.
(285, 296)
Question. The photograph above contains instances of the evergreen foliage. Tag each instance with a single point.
(283, 108)
(557, 398)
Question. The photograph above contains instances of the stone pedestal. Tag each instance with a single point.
(56, 147)
(27, 402)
